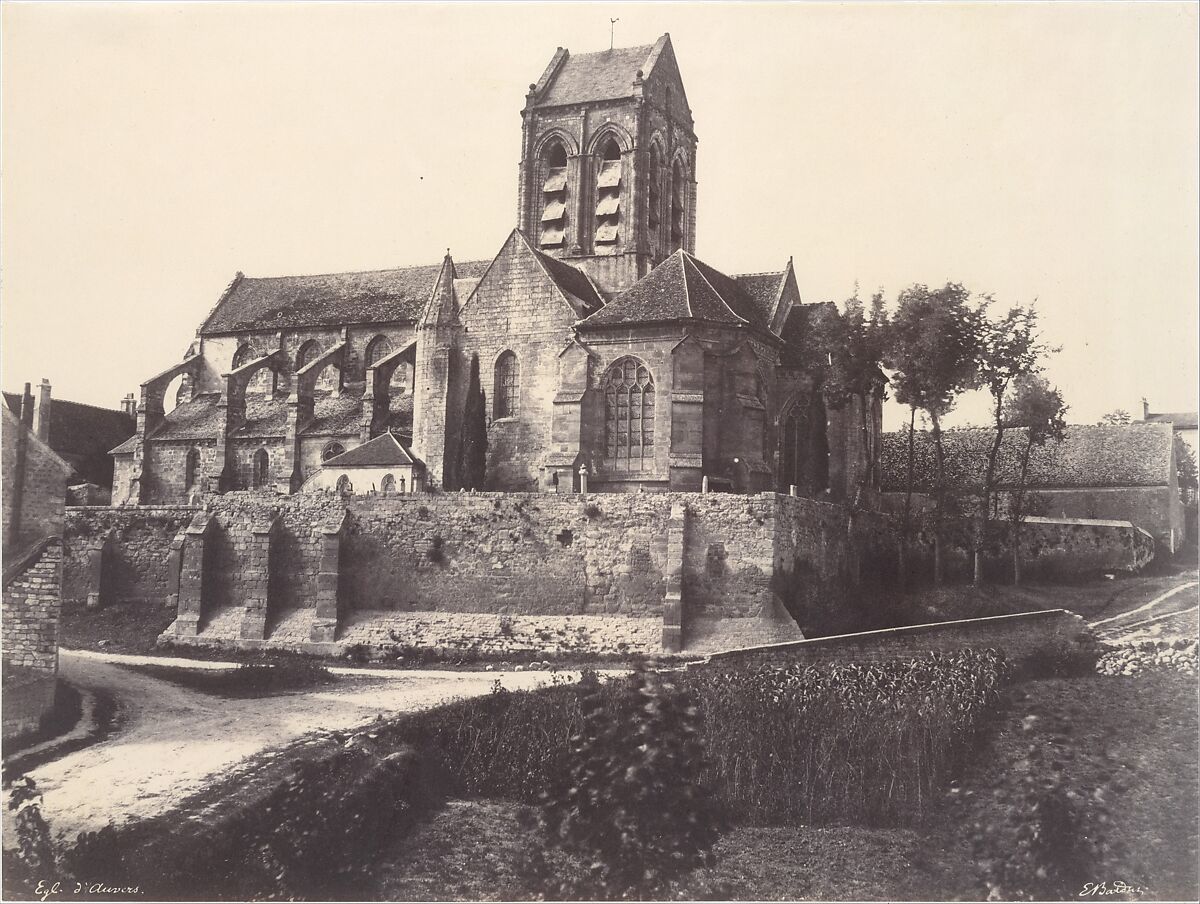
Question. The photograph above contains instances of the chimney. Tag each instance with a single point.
(41, 417)
(27, 407)
(1145, 409)
(129, 405)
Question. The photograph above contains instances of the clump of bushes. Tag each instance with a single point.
(630, 808)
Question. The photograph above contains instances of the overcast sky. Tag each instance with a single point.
(1050, 152)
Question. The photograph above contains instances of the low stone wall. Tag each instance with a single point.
(28, 699)
(1018, 636)
(136, 568)
(30, 616)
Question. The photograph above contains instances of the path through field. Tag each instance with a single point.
(171, 740)
(1170, 615)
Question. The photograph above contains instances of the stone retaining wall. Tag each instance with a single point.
(1018, 636)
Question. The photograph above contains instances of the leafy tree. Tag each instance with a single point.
(1116, 418)
(853, 343)
(472, 451)
(1038, 407)
(1185, 471)
(1009, 349)
(934, 340)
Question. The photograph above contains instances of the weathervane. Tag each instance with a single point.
(612, 27)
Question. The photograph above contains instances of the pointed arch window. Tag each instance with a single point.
(507, 392)
(262, 469)
(629, 416)
(307, 354)
(264, 380)
(378, 349)
(608, 198)
(805, 448)
(554, 196)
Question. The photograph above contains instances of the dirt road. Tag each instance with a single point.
(171, 740)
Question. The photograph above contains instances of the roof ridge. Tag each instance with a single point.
(708, 281)
(54, 401)
(759, 273)
(363, 272)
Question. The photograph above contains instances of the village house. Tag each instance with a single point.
(607, 349)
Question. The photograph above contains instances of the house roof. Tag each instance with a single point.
(331, 299)
(682, 287)
(82, 435)
(1180, 420)
(585, 77)
(573, 282)
(384, 451)
(1089, 456)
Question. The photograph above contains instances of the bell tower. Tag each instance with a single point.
(608, 162)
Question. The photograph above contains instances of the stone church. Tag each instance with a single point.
(607, 351)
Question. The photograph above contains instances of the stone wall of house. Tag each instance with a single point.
(31, 604)
(36, 479)
(136, 566)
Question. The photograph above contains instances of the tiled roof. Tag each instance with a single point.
(573, 282)
(335, 415)
(265, 417)
(763, 290)
(83, 435)
(1181, 420)
(606, 75)
(384, 451)
(332, 299)
(1089, 456)
(680, 288)
(197, 419)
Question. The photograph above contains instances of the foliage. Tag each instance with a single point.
(933, 343)
(33, 855)
(472, 452)
(630, 805)
(1009, 350)
(1039, 837)
(1118, 417)
(1038, 407)
(1185, 471)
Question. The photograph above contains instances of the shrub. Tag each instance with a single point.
(630, 806)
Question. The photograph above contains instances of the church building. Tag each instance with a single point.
(607, 351)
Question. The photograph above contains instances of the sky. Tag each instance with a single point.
(1044, 153)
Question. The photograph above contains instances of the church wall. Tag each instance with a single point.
(164, 469)
(517, 310)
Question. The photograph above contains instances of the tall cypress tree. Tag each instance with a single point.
(472, 451)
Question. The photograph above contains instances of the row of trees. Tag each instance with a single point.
(939, 344)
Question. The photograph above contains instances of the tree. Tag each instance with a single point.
(1038, 407)
(1009, 349)
(1185, 471)
(854, 343)
(1117, 418)
(933, 346)
(472, 451)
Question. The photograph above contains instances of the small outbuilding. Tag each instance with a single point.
(381, 465)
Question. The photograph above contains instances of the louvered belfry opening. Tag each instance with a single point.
(678, 189)
(608, 199)
(554, 196)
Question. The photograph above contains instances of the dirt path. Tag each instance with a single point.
(1167, 616)
(171, 740)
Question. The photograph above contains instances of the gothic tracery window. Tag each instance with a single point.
(608, 198)
(378, 349)
(629, 416)
(331, 450)
(507, 392)
(554, 196)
